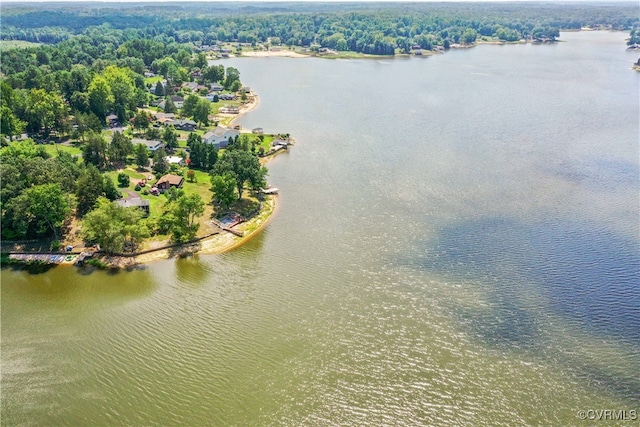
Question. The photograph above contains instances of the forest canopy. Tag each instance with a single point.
(360, 27)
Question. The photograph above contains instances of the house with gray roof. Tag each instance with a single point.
(151, 145)
(219, 137)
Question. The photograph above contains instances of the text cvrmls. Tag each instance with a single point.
(608, 414)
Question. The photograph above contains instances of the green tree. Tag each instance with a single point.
(244, 166)
(214, 73)
(85, 123)
(123, 179)
(141, 120)
(160, 165)
(153, 134)
(109, 189)
(95, 150)
(10, 125)
(19, 150)
(159, 89)
(39, 210)
(211, 156)
(170, 138)
(113, 226)
(201, 111)
(120, 147)
(181, 214)
(100, 96)
(45, 111)
(201, 61)
(224, 189)
(142, 156)
(469, 36)
(189, 105)
(232, 75)
(89, 187)
(169, 106)
(122, 89)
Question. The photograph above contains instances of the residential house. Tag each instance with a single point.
(216, 87)
(134, 202)
(227, 97)
(151, 145)
(168, 181)
(165, 121)
(171, 116)
(112, 120)
(219, 137)
(188, 125)
(178, 101)
(245, 89)
(174, 160)
(194, 87)
(211, 97)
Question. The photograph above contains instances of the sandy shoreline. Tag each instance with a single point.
(270, 53)
(218, 243)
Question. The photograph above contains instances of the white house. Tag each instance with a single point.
(151, 145)
(174, 160)
(219, 137)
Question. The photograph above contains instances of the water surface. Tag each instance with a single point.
(456, 237)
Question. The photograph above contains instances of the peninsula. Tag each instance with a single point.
(118, 127)
(167, 171)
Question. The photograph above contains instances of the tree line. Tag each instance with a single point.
(380, 29)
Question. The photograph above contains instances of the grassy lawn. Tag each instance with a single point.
(201, 185)
(215, 106)
(52, 149)
(266, 143)
(152, 80)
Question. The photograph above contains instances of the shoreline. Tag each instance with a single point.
(358, 55)
(218, 243)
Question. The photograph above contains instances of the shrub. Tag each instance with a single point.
(123, 179)
(138, 188)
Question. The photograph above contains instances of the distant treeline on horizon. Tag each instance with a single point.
(377, 28)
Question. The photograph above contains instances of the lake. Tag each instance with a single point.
(456, 243)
